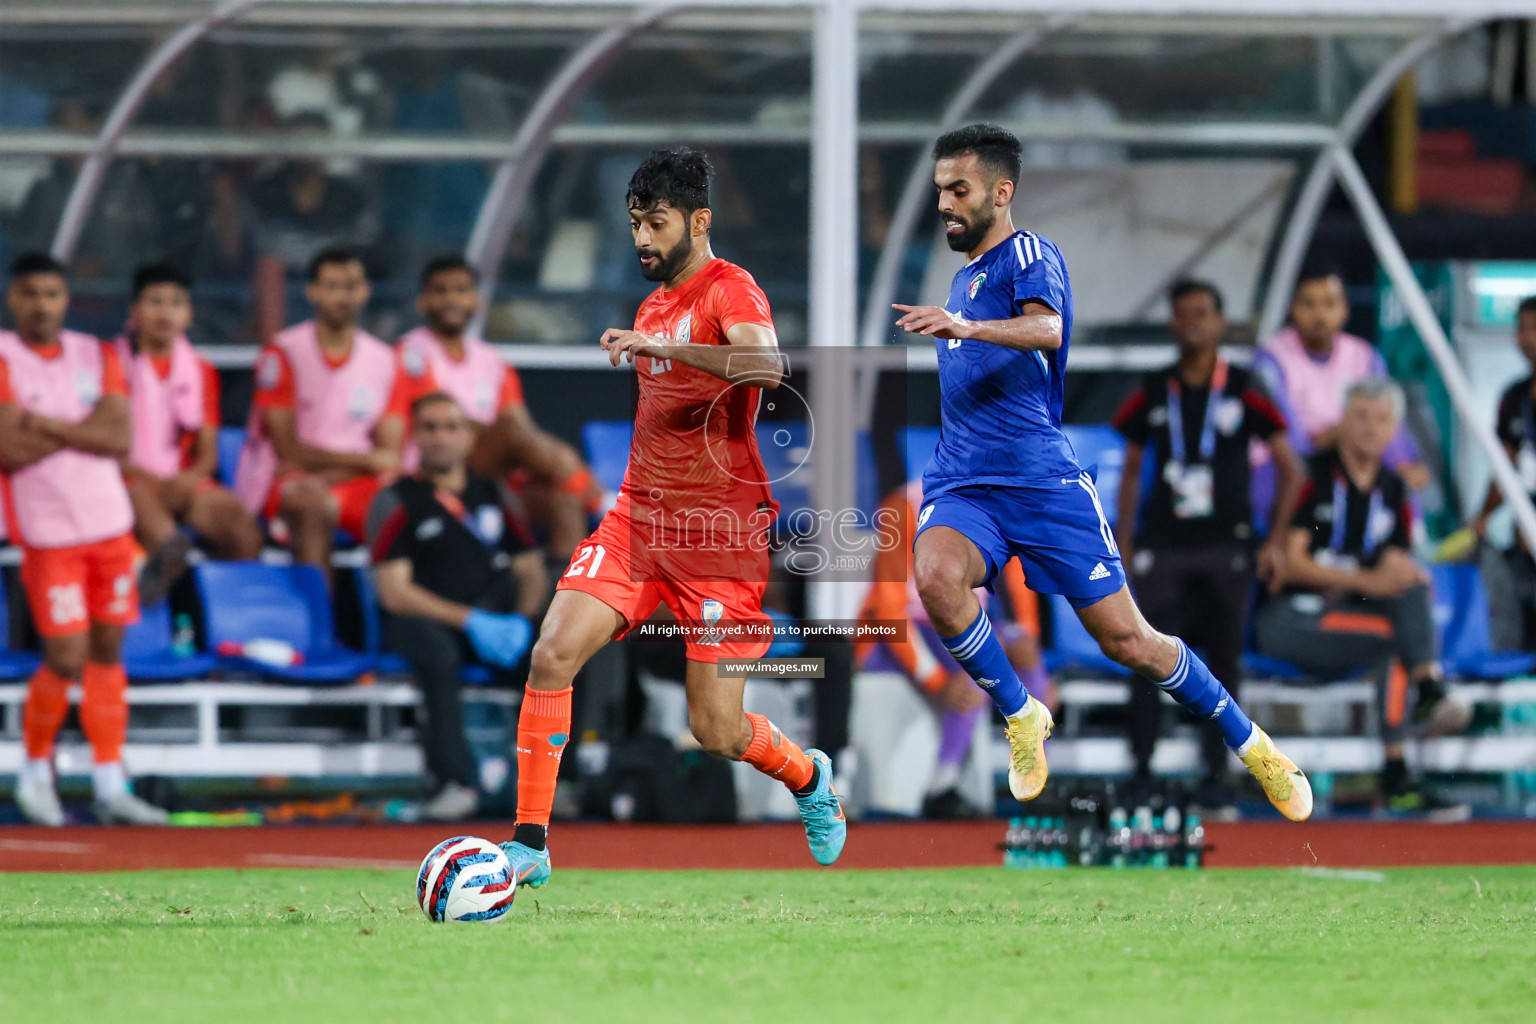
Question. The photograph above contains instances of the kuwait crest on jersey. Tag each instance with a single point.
(976, 283)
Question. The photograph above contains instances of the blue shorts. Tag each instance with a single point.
(1058, 531)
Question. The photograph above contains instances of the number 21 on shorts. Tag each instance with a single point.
(594, 552)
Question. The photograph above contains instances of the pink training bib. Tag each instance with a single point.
(335, 407)
(1316, 387)
(163, 408)
(70, 497)
(475, 381)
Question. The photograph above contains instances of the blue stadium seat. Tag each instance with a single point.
(1100, 445)
(917, 445)
(607, 444)
(147, 653)
(245, 601)
(1462, 618)
(1072, 650)
(231, 441)
(13, 664)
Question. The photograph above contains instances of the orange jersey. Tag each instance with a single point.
(694, 454)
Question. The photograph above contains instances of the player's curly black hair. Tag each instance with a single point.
(996, 149)
(679, 177)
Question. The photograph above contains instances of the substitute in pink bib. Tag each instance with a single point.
(556, 485)
(328, 419)
(174, 455)
(64, 424)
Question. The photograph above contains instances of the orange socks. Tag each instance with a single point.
(42, 714)
(773, 753)
(104, 710)
(543, 730)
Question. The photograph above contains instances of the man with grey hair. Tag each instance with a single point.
(1355, 597)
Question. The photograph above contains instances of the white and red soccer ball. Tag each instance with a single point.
(466, 879)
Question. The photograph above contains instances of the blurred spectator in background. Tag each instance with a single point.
(1189, 542)
(301, 207)
(1310, 365)
(328, 420)
(430, 207)
(1516, 429)
(1355, 596)
(174, 396)
(922, 658)
(456, 574)
(124, 221)
(557, 485)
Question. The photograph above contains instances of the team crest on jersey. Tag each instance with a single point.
(710, 613)
(483, 396)
(976, 283)
(489, 524)
(684, 329)
(88, 387)
(1229, 415)
(360, 402)
(413, 362)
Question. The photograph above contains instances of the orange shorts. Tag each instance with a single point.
(715, 593)
(352, 500)
(69, 588)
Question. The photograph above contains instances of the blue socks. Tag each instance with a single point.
(1193, 686)
(983, 658)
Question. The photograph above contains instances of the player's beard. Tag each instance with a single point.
(975, 229)
(667, 265)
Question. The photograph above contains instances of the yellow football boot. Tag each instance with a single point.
(1027, 733)
(1284, 783)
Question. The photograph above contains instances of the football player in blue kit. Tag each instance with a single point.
(1005, 482)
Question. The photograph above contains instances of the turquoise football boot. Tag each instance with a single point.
(531, 867)
(826, 828)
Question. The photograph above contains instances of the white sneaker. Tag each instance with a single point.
(452, 803)
(127, 809)
(39, 801)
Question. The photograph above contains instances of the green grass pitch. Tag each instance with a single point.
(976, 945)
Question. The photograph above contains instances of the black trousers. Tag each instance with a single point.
(1202, 595)
(436, 653)
(1304, 630)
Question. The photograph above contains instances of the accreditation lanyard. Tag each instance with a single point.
(455, 508)
(1368, 543)
(1176, 447)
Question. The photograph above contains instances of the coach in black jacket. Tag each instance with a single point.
(460, 577)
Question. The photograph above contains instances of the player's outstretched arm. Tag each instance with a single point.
(1038, 327)
(752, 357)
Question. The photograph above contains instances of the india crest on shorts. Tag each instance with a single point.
(710, 613)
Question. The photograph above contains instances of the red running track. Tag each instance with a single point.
(875, 845)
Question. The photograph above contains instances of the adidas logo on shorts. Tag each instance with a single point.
(1099, 573)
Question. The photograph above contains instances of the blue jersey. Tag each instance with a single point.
(1000, 407)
